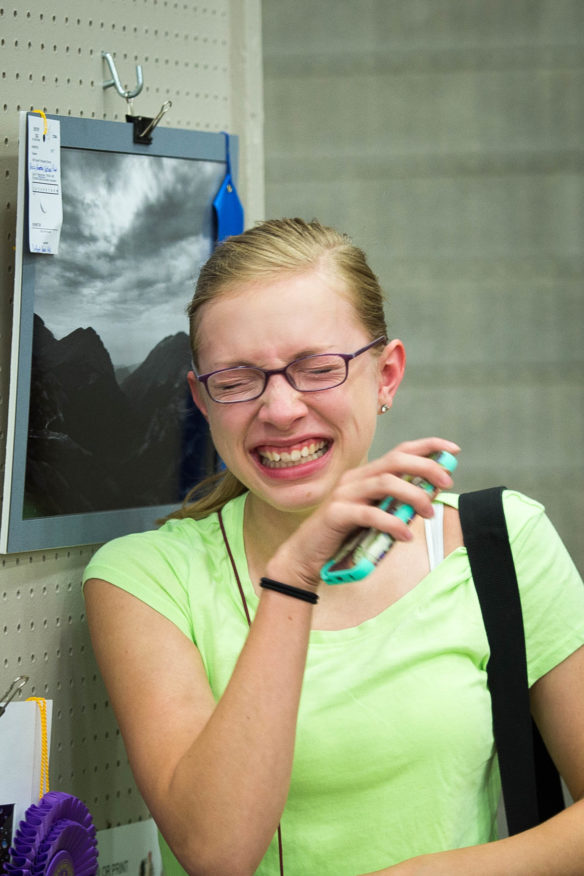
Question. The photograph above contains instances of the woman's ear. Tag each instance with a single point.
(392, 363)
(197, 393)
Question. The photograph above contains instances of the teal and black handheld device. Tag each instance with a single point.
(363, 550)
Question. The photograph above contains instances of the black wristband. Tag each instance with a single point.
(288, 590)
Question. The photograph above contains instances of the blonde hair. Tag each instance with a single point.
(270, 249)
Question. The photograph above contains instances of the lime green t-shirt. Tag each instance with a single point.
(394, 753)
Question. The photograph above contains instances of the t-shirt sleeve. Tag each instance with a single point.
(153, 568)
(551, 590)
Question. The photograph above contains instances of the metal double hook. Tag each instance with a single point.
(115, 80)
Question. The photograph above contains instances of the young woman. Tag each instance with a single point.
(352, 734)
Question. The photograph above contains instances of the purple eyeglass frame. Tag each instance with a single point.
(267, 373)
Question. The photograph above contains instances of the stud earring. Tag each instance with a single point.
(384, 409)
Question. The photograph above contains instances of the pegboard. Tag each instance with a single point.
(203, 57)
(43, 635)
(54, 58)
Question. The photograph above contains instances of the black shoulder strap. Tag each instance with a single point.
(531, 786)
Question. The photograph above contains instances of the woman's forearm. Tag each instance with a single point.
(554, 848)
(231, 784)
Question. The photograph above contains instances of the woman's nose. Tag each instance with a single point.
(281, 403)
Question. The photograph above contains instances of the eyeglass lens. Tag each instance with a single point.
(307, 375)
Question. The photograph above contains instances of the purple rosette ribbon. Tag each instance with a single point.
(56, 838)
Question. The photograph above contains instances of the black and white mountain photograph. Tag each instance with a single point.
(111, 422)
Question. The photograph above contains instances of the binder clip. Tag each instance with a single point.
(143, 126)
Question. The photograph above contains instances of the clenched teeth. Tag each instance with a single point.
(285, 459)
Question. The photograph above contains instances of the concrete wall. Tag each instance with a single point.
(446, 137)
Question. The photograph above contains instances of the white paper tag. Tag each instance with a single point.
(130, 849)
(20, 755)
(45, 206)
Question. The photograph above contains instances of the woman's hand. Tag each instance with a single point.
(352, 505)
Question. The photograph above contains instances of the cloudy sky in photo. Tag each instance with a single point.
(136, 229)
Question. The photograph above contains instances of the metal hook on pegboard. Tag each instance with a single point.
(14, 688)
(115, 80)
(143, 126)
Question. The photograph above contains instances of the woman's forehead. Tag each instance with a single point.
(317, 288)
(288, 317)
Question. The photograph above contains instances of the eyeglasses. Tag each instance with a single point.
(307, 374)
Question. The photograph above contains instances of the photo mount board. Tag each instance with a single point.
(112, 176)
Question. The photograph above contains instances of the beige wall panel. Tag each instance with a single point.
(205, 58)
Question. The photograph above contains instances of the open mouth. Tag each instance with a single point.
(292, 456)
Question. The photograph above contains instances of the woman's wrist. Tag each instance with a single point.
(287, 569)
(305, 594)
